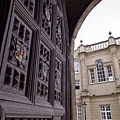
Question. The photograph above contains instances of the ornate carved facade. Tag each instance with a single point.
(33, 85)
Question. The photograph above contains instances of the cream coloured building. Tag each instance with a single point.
(97, 80)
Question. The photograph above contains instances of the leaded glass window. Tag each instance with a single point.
(100, 72)
(92, 75)
(110, 75)
(44, 70)
(79, 112)
(47, 16)
(59, 41)
(58, 80)
(106, 113)
(15, 75)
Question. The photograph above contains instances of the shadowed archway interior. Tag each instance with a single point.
(77, 10)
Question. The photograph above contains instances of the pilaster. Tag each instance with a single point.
(72, 82)
(119, 99)
(82, 56)
(116, 65)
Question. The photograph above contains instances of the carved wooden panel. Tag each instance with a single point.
(19, 53)
(44, 70)
(59, 40)
(29, 5)
(47, 16)
(15, 76)
(58, 80)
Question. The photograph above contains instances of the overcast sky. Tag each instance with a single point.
(103, 18)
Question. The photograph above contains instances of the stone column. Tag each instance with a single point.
(73, 95)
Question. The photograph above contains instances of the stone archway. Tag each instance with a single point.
(78, 26)
(76, 13)
(83, 17)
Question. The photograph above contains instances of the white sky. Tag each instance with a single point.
(103, 18)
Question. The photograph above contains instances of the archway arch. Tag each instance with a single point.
(83, 17)
(78, 26)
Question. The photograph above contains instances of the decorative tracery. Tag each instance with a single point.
(15, 75)
(59, 41)
(47, 16)
(29, 4)
(44, 69)
(20, 42)
(58, 80)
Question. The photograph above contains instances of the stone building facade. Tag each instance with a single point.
(97, 80)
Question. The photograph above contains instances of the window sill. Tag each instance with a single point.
(101, 82)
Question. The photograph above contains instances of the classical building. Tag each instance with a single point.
(97, 80)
